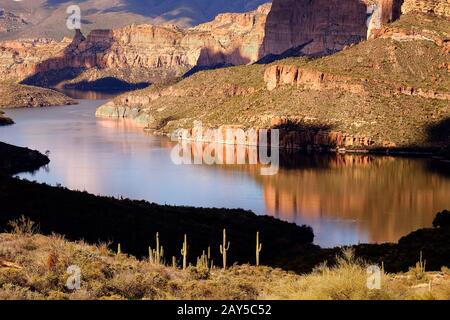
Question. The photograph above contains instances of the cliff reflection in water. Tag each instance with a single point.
(387, 198)
(380, 198)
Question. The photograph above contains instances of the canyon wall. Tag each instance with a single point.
(141, 52)
(152, 53)
(326, 25)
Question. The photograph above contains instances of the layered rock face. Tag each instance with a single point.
(19, 59)
(327, 25)
(139, 52)
(278, 75)
(231, 38)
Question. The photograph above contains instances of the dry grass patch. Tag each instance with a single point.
(35, 267)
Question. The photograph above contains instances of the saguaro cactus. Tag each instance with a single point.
(158, 249)
(224, 249)
(184, 252)
(202, 261)
(258, 248)
(211, 262)
(156, 255)
(174, 262)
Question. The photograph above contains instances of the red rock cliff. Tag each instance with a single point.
(329, 24)
(147, 51)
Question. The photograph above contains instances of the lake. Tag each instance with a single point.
(347, 199)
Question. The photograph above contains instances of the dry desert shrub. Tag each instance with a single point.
(35, 267)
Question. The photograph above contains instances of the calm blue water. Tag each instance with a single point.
(346, 199)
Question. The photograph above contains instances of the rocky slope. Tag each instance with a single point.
(14, 95)
(439, 7)
(388, 92)
(136, 53)
(9, 22)
(43, 18)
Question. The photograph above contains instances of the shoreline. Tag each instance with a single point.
(134, 223)
(432, 153)
(17, 95)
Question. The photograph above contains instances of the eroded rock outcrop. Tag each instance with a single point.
(277, 75)
(388, 92)
(138, 52)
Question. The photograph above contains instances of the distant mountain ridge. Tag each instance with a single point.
(47, 18)
(135, 53)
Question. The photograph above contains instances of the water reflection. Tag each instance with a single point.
(367, 198)
(386, 198)
(90, 94)
(346, 198)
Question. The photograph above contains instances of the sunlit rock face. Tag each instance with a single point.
(152, 53)
(325, 26)
(137, 52)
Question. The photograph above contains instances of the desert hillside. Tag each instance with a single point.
(35, 267)
(22, 96)
(389, 91)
